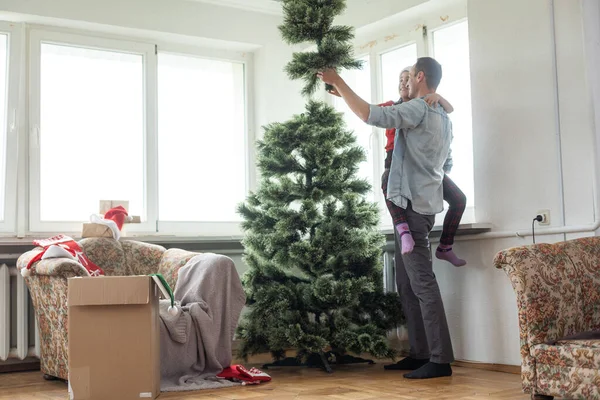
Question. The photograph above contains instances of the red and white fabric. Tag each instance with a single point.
(62, 246)
(237, 372)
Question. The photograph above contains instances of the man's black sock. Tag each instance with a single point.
(430, 370)
(407, 364)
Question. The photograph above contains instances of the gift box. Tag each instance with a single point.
(91, 229)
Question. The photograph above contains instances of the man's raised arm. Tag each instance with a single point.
(406, 115)
(358, 106)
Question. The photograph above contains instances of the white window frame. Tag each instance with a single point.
(373, 137)
(469, 213)
(151, 224)
(378, 133)
(39, 36)
(219, 229)
(13, 121)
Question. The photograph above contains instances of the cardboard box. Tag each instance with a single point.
(114, 338)
(91, 229)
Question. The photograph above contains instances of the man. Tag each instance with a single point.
(423, 136)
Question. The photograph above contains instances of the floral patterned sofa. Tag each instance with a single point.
(47, 285)
(558, 299)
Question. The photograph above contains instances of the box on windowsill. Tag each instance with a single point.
(114, 338)
(91, 229)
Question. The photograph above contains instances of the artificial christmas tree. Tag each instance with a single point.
(312, 21)
(314, 283)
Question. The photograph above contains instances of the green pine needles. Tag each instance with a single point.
(312, 21)
(315, 281)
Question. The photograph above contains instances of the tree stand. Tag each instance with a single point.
(319, 360)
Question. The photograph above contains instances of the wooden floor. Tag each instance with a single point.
(356, 382)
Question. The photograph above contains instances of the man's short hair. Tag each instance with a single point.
(432, 70)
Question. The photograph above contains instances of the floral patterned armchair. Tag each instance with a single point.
(558, 300)
(47, 285)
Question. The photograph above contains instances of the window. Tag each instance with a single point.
(10, 54)
(392, 63)
(3, 115)
(115, 120)
(202, 140)
(93, 124)
(448, 42)
(451, 49)
(360, 81)
(91, 131)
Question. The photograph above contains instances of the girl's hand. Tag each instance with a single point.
(433, 99)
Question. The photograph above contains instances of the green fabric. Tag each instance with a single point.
(164, 287)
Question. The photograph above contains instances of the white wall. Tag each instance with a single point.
(187, 18)
(516, 150)
(276, 97)
(591, 16)
(397, 29)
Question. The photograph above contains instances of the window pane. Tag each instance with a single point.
(3, 95)
(202, 138)
(451, 49)
(91, 131)
(392, 63)
(360, 82)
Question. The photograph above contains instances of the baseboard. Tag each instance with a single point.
(29, 364)
(509, 369)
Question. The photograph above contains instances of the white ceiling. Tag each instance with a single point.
(264, 6)
(358, 14)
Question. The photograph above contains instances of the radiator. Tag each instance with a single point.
(18, 327)
(389, 285)
(389, 272)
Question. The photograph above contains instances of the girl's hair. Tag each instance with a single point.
(406, 69)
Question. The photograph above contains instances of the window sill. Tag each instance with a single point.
(436, 232)
(463, 229)
(12, 247)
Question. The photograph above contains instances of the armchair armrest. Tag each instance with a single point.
(511, 261)
(62, 267)
(170, 263)
(508, 260)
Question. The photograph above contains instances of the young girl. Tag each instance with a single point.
(452, 194)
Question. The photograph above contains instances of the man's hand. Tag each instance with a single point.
(358, 106)
(329, 76)
(334, 92)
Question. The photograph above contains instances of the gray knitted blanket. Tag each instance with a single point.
(196, 343)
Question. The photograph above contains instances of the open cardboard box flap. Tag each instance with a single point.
(107, 290)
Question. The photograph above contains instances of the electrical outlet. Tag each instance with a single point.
(545, 217)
